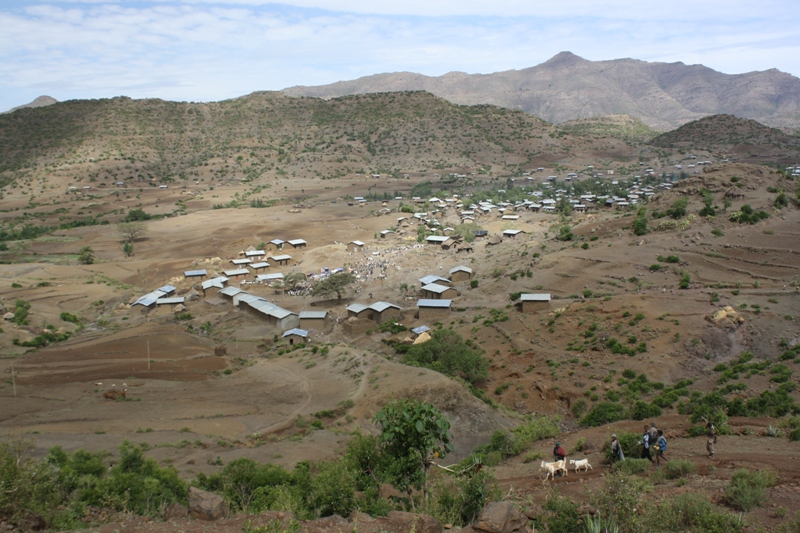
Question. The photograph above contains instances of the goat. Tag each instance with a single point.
(554, 467)
(582, 463)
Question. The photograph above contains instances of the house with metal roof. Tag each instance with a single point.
(175, 300)
(282, 259)
(255, 253)
(229, 292)
(314, 320)
(269, 278)
(214, 284)
(259, 266)
(355, 246)
(359, 311)
(531, 303)
(150, 298)
(427, 280)
(167, 289)
(436, 239)
(298, 243)
(384, 311)
(428, 309)
(236, 273)
(512, 232)
(240, 262)
(386, 232)
(436, 291)
(296, 336)
(273, 314)
(460, 273)
(195, 274)
(419, 330)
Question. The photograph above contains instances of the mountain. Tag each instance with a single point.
(567, 87)
(39, 102)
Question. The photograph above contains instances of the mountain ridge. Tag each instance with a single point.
(566, 87)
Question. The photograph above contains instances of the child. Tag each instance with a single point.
(661, 447)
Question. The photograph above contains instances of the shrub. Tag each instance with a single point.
(473, 283)
(603, 413)
(641, 410)
(632, 466)
(560, 515)
(747, 489)
(690, 511)
(678, 468)
(579, 407)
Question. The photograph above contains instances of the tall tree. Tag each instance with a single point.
(130, 231)
(413, 434)
(336, 284)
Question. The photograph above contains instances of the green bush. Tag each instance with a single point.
(447, 353)
(678, 468)
(603, 413)
(690, 511)
(748, 488)
(560, 515)
(632, 466)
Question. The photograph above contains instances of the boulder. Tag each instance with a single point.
(501, 517)
(206, 505)
(419, 523)
(330, 524)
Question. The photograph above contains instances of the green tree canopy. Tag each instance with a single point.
(336, 284)
(447, 353)
(413, 434)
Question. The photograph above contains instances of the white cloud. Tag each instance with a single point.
(223, 49)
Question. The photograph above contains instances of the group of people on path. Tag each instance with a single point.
(653, 439)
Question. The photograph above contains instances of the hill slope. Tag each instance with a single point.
(663, 95)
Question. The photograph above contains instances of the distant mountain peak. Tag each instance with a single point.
(563, 58)
(41, 101)
(566, 87)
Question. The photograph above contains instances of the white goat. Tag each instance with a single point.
(554, 467)
(582, 463)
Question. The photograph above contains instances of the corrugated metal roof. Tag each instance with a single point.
(433, 303)
(382, 306)
(356, 308)
(295, 242)
(192, 273)
(460, 269)
(214, 282)
(240, 261)
(313, 314)
(230, 291)
(357, 243)
(170, 301)
(512, 231)
(534, 297)
(295, 331)
(166, 289)
(433, 279)
(437, 238)
(269, 277)
(276, 241)
(150, 298)
(238, 272)
(253, 253)
(280, 258)
(262, 264)
(435, 287)
(420, 329)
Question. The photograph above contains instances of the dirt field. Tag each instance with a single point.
(192, 406)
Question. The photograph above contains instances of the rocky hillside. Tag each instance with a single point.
(663, 95)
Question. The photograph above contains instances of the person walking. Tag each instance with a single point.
(712, 439)
(661, 448)
(558, 455)
(616, 450)
(653, 434)
(645, 442)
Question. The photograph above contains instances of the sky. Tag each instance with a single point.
(205, 50)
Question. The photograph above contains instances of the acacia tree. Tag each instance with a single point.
(413, 434)
(336, 284)
(130, 231)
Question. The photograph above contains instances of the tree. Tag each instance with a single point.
(128, 248)
(447, 353)
(640, 225)
(336, 284)
(86, 255)
(294, 279)
(413, 434)
(130, 231)
(137, 214)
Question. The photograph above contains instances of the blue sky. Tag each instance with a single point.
(217, 49)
